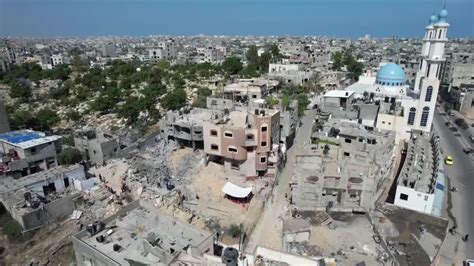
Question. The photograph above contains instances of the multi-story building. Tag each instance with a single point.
(210, 54)
(166, 50)
(421, 182)
(139, 234)
(26, 152)
(344, 168)
(244, 89)
(246, 142)
(462, 99)
(452, 60)
(96, 147)
(56, 59)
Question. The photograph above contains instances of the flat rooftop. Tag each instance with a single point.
(418, 169)
(26, 138)
(339, 94)
(142, 229)
(9, 183)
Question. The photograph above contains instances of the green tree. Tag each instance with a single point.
(174, 100)
(201, 98)
(46, 118)
(252, 56)
(271, 101)
(163, 64)
(232, 65)
(21, 119)
(275, 51)
(78, 64)
(69, 156)
(338, 61)
(263, 62)
(18, 90)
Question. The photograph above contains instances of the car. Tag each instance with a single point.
(471, 138)
(468, 262)
(467, 150)
(448, 124)
(449, 160)
(454, 129)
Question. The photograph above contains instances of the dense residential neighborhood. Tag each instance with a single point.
(237, 150)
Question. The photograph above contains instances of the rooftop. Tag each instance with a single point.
(11, 184)
(27, 138)
(339, 94)
(142, 233)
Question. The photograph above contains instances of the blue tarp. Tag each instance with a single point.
(20, 136)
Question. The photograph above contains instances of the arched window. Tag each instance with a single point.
(411, 116)
(424, 116)
(429, 93)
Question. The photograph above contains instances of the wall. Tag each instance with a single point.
(53, 211)
(417, 201)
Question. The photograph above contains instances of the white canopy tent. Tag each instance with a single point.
(236, 191)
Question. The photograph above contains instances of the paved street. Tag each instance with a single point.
(267, 233)
(461, 175)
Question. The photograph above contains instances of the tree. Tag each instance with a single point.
(78, 64)
(69, 156)
(18, 90)
(46, 118)
(201, 99)
(163, 64)
(252, 56)
(234, 230)
(232, 65)
(303, 103)
(264, 60)
(314, 82)
(338, 60)
(275, 51)
(271, 101)
(174, 100)
(21, 119)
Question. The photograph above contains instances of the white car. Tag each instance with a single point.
(469, 263)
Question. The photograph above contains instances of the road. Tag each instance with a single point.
(268, 231)
(460, 175)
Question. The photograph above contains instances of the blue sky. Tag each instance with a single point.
(341, 18)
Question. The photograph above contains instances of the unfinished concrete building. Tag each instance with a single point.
(421, 182)
(245, 142)
(139, 234)
(244, 89)
(39, 198)
(25, 152)
(343, 169)
(96, 147)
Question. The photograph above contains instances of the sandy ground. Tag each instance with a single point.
(113, 173)
(208, 184)
(346, 238)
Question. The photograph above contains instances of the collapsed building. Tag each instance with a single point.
(343, 169)
(139, 234)
(26, 152)
(40, 198)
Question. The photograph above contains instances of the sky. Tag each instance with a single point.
(338, 18)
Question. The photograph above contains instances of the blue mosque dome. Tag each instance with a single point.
(390, 75)
(443, 15)
(433, 19)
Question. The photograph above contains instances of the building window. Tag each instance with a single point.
(347, 140)
(214, 147)
(361, 139)
(232, 149)
(411, 116)
(403, 196)
(263, 159)
(263, 144)
(424, 116)
(228, 135)
(347, 154)
(214, 133)
(250, 137)
(429, 93)
(264, 128)
(234, 166)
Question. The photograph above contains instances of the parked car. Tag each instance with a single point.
(467, 150)
(454, 129)
(471, 138)
(449, 160)
(448, 124)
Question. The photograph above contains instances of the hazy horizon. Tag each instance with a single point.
(332, 18)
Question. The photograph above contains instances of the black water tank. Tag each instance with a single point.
(230, 257)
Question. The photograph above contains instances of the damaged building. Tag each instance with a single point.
(343, 169)
(96, 147)
(26, 152)
(246, 142)
(139, 234)
(40, 198)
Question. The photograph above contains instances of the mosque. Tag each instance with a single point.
(404, 107)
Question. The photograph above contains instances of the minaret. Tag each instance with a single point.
(428, 77)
